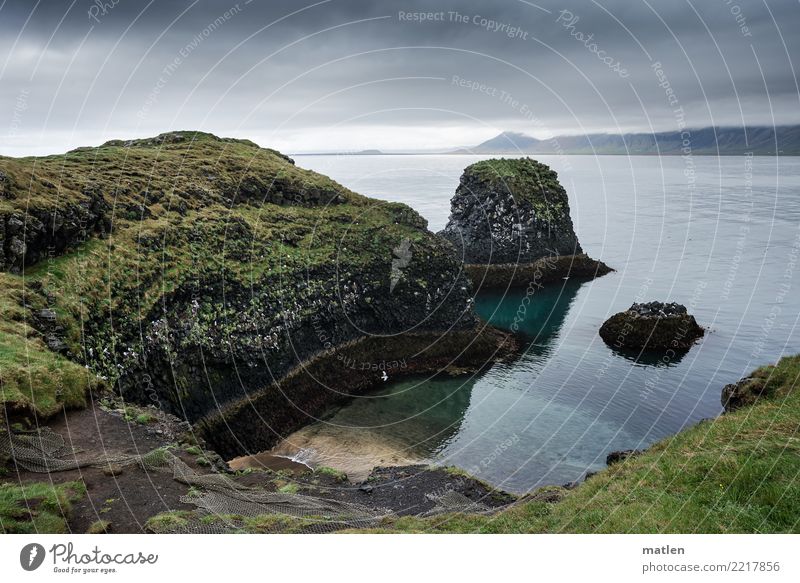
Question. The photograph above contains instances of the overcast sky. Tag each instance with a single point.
(353, 74)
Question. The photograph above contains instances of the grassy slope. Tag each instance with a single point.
(212, 205)
(737, 473)
(31, 376)
(37, 508)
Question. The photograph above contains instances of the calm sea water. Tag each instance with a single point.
(721, 235)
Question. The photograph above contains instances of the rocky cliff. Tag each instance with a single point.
(509, 215)
(190, 271)
(510, 211)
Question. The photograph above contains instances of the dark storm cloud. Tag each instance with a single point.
(343, 74)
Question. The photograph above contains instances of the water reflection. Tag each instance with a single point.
(656, 358)
(538, 316)
(571, 400)
(419, 418)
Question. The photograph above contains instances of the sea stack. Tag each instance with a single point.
(510, 224)
(652, 325)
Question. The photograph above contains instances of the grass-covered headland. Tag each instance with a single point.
(188, 271)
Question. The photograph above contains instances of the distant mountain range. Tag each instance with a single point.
(785, 140)
(711, 141)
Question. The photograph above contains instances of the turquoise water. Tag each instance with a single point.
(721, 235)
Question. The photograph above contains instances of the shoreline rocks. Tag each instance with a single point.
(541, 272)
(652, 325)
(742, 393)
(620, 456)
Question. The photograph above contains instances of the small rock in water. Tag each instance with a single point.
(653, 325)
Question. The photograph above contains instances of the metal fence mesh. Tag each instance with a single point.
(223, 505)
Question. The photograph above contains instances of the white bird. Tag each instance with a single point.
(384, 376)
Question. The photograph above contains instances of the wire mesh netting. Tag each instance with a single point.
(223, 505)
(45, 451)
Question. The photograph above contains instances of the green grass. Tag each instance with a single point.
(167, 522)
(99, 527)
(158, 458)
(176, 521)
(739, 473)
(38, 507)
(145, 418)
(32, 377)
(290, 488)
(276, 523)
(525, 177)
(193, 169)
(335, 474)
(527, 180)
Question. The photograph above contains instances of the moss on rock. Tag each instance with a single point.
(510, 223)
(510, 211)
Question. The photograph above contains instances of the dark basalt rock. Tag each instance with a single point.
(6, 187)
(251, 321)
(659, 309)
(618, 456)
(546, 494)
(653, 325)
(29, 238)
(46, 322)
(510, 211)
(534, 275)
(510, 224)
(742, 393)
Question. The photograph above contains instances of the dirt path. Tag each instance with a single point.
(126, 497)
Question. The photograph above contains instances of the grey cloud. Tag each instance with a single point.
(182, 64)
